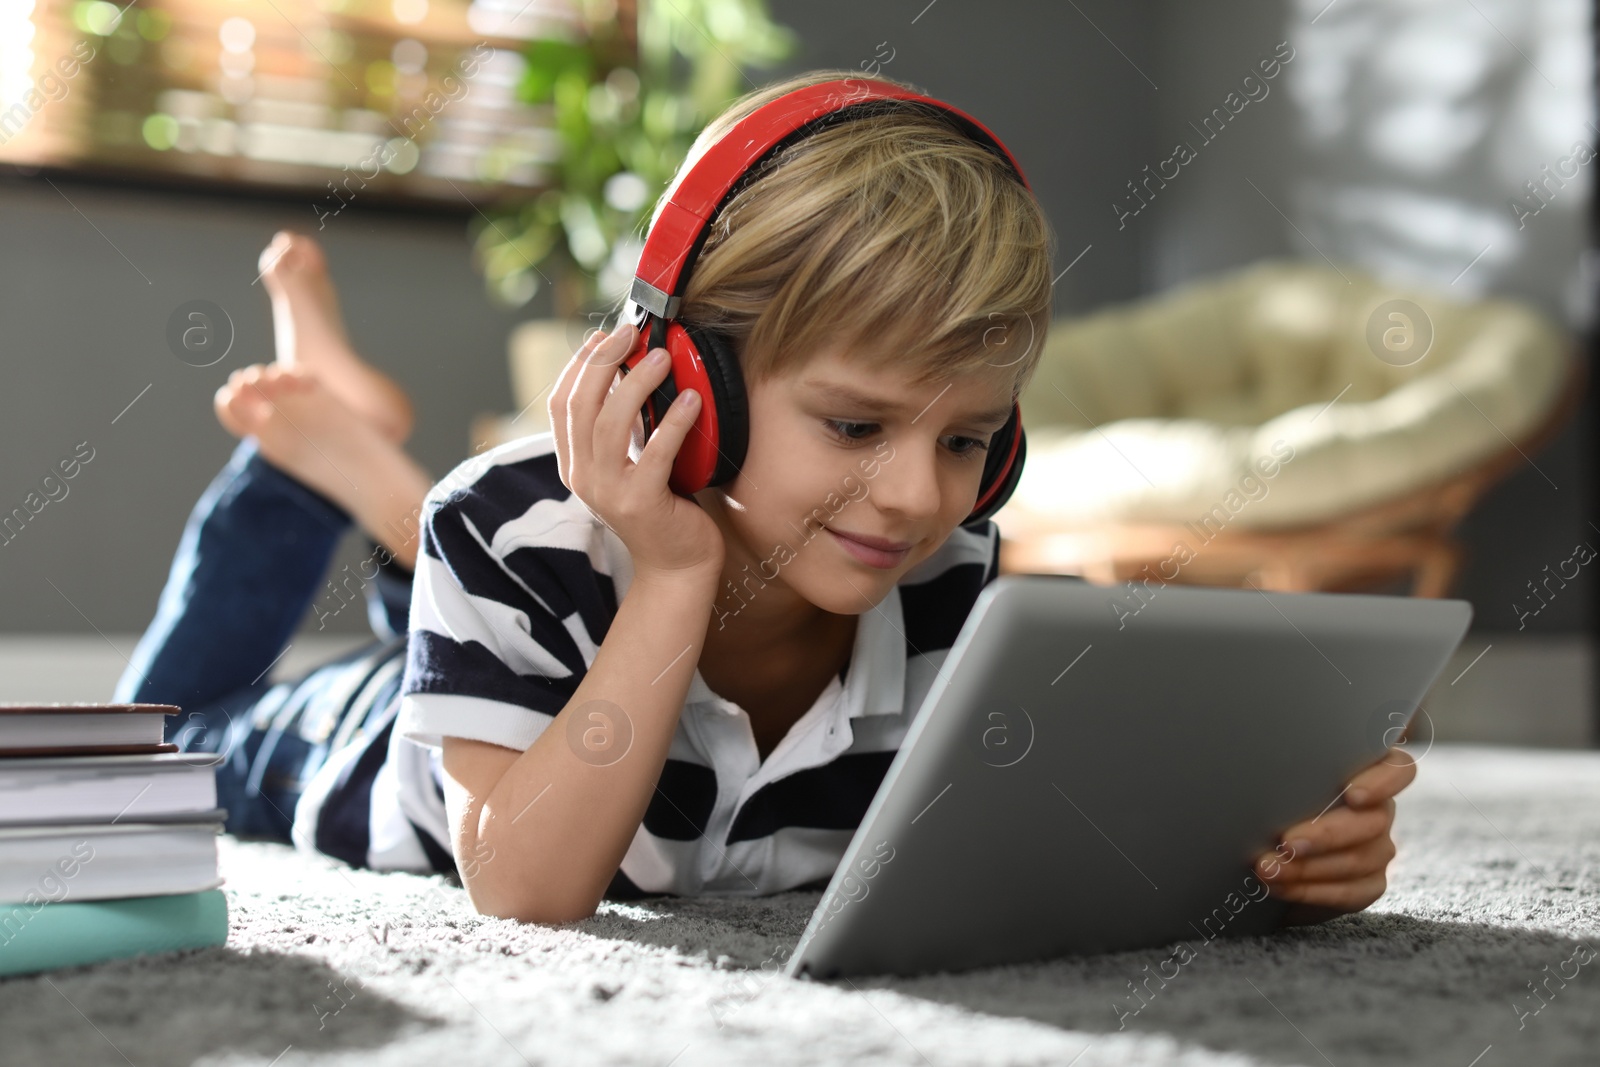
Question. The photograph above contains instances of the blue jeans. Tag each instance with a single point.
(247, 568)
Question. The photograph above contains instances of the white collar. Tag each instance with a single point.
(875, 680)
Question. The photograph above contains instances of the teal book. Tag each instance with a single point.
(44, 936)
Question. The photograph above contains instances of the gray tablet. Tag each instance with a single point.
(1099, 767)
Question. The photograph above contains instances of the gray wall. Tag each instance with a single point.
(86, 289)
(1075, 112)
(1086, 95)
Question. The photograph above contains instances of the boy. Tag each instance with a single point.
(620, 708)
(532, 613)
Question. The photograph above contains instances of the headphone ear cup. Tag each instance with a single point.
(705, 361)
(1001, 470)
(731, 429)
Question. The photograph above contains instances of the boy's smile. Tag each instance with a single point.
(853, 475)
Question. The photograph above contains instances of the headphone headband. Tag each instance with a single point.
(684, 221)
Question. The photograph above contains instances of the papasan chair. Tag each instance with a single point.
(1291, 426)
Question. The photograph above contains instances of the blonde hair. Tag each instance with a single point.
(894, 234)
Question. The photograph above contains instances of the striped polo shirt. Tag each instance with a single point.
(517, 583)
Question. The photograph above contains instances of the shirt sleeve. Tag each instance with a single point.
(493, 651)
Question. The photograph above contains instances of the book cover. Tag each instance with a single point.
(45, 936)
(60, 729)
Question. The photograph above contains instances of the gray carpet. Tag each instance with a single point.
(1497, 880)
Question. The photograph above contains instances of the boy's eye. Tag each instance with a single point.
(962, 447)
(974, 446)
(845, 429)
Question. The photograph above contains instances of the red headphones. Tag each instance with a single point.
(705, 360)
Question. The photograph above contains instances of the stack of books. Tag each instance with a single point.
(108, 837)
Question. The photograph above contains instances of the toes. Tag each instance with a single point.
(250, 398)
(270, 262)
(222, 404)
(290, 254)
(273, 378)
(240, 408)
(250, 375)
(253, 384)
(293, 248)
(279, 378)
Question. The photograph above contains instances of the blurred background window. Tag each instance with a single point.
(393, 100)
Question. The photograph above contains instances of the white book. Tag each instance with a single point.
(101, 861)
(63, 729)
(61, 789)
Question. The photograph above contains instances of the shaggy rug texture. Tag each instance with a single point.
(1495, 897)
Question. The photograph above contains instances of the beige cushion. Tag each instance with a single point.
(1163, 409)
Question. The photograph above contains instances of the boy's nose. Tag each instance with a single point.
(908, 483)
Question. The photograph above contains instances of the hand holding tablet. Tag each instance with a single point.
(1335, 862)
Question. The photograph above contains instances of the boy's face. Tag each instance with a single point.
(903, 464)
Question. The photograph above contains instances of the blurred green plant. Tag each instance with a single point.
(625, 116)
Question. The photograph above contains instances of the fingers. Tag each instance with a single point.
(1381, 780)
(560, 393)
(1341, 896)
(655, 462)
(1349, 864)
(1340, 828)
(1338, 860)
(595, 373)
(620, 413)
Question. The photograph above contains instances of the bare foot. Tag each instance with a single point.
(305, 430)
(309, 332)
